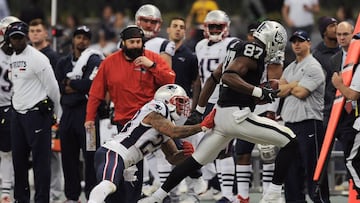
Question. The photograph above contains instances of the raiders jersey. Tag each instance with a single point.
(209, 56)
(5, 83)
(254, 51)
(137, 139)
(160, 45)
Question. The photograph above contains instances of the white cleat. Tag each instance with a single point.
(272, 198)
(198, 185)
(150, 199)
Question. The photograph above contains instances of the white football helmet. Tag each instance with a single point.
(274, 36)
(174, 96)
(4, 23)
(151, 13)
(216, 25)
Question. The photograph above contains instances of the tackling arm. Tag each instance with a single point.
(166, 127)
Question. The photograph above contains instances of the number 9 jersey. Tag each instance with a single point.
(252, 50)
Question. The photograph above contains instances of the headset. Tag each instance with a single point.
(130, 27)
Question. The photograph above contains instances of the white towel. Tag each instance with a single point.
(77, 71)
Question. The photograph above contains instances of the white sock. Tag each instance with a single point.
(227, 176)
(160, 194)
(274, 188)
(243, 178)
(101, 191)
(267, 174)
(7, 172)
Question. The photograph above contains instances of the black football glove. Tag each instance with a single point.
(194, 118)
(269, 94)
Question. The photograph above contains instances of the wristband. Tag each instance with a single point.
(153, 65)
(200, 109)
(257, 92)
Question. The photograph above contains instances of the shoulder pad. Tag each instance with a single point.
(159, 107)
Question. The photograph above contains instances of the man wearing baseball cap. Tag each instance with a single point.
(302, 86)
(35, 100)
(74, 73)
(322, 52)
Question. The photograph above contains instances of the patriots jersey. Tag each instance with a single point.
(160, 45)
(229, 97)
(137, 139)
(5, 83)
(209, 56)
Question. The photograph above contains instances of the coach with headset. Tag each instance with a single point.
(131, 76)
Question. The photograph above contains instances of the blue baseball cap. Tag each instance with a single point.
(83, 29)
(301, 34)
(19, 28)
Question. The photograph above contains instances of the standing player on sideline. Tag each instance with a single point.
(240, 75)
(211, 52)
(6, 165)
(148, 18)
(150, 129)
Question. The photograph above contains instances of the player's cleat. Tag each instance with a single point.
(150, 199)
(272, 198)
(242, 200)
(198, 185)
(190, 199)
(6, 199)
(223, 200)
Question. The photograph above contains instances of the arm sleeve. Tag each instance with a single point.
(60, 75)
(312, 78)
(47, 77)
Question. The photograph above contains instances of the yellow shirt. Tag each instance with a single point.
(201, 8)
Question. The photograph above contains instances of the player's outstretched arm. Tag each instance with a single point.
(166, 127)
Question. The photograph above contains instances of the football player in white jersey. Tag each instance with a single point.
(148, 18)
(211, 52)
(150, 129)
(6, 165)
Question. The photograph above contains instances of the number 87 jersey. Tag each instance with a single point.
(254, 52)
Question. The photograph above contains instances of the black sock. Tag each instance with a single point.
(180, 172)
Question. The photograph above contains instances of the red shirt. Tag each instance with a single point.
(129, 86)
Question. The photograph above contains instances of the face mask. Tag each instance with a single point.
(133, 53)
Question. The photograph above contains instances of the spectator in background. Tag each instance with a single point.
(302, 87)
(344, 133)
(6, 165)
(107, 19)
(4, 9)
(120, 22)
(31, 12)
(106, 42)
(299, 14)
(65, 41)
(345, 13)
(195, 28)
(35, 100)
(38, 35)
(142, 73)
(74, 74)
(322, 52)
